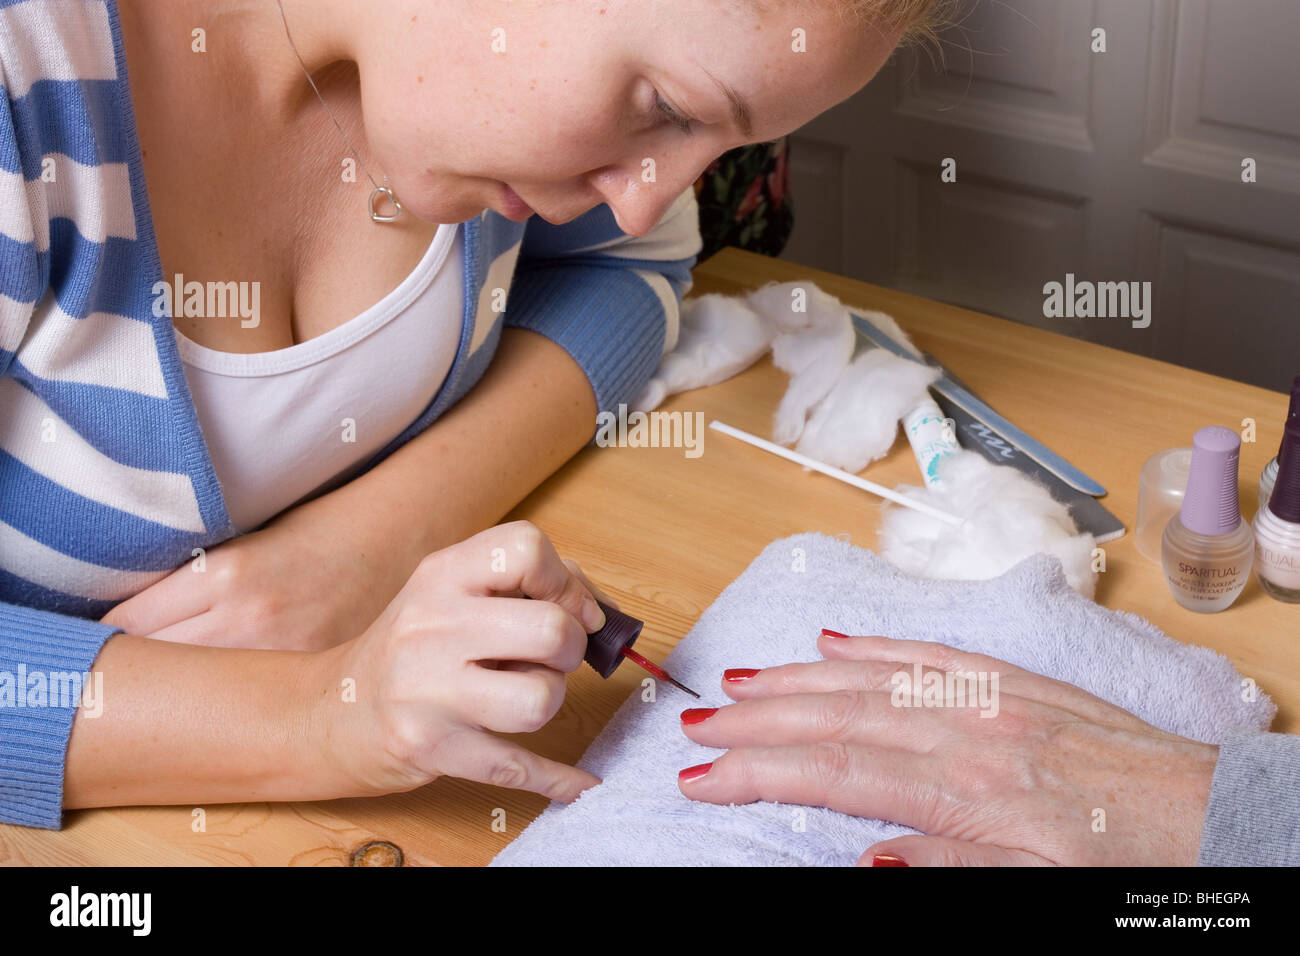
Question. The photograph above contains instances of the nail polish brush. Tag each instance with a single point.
(607, 647)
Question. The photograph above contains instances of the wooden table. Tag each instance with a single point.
(664, 534)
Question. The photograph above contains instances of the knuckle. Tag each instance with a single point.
(983, 777)
(228, 573)
(830, 762)
(528, 541)
(538, 705)
(430, 566)
(405, 741)
(553, 624)
(510, 772)
(409, 622)
(839, 713)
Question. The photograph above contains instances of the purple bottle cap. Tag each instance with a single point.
(1210, 504)
(1292, 415)
(1285, 500)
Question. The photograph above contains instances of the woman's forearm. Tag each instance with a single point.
(185, 724)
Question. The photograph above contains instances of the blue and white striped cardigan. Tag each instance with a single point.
(105, 481)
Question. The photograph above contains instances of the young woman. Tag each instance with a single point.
(296, 295)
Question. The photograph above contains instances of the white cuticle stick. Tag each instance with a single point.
(836, 473)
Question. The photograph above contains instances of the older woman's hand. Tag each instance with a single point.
(1040, 772)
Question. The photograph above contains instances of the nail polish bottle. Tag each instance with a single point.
(1277, 526)
(1269, 475)
(1208, 549)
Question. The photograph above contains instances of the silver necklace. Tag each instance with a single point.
(379, 192)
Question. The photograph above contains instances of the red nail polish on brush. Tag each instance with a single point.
(884, 859)
(694, 773)
(737, 674)
(698, 715)
(827, 632)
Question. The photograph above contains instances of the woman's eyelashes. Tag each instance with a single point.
(677, 119)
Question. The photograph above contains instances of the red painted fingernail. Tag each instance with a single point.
(737, 674)
(884, 859)
(694, 773)
(827, 632)
(698, 715)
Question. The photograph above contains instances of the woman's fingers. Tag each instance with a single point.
(863, 781)
(816, 678)
(576, 569)
(882, 652)
(925, 653)
(941, 851)
(520, 699)
(517, 557)
(518, 630)
(846, 716)
(203, 628)
(503, 763)
(179, 596)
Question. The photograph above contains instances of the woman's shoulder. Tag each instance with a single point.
(55, 42)
(64, 111)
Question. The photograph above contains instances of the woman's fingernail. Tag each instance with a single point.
(827, 632)
(693, 773)
(698, 715)
(593, 618)
(737, 674)
(885, 859)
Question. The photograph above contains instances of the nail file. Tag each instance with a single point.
(982, 430)
(974, 435)
(959, 394)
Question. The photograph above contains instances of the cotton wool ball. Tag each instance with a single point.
(814, 359)
(719, 336)
(1008, 517)
(857, 423)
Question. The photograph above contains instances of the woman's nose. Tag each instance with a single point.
(640, 194)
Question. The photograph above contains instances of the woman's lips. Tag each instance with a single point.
(515, 209)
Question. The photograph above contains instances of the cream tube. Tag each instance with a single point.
(932, 438)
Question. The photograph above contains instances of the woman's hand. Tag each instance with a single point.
(309, 580)
(1052, 775)
(457, 655)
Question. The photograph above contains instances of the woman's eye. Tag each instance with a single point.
(676, 118)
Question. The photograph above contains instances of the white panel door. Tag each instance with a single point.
(1116, 166)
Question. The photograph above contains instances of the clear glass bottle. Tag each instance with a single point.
(1206, 572)
(1208, 549)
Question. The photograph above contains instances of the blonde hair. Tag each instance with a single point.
(920, 20)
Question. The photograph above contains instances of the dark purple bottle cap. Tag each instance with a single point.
(605, 647)
(1210, 504)
(1293, 415)
(1285, 500)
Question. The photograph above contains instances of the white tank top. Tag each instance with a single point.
(281, 424)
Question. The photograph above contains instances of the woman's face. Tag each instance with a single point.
(567, 101)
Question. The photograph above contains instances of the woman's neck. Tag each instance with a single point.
(239, 158)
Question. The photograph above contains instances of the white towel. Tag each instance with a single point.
(772, 614)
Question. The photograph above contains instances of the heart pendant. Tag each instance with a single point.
(385, 193)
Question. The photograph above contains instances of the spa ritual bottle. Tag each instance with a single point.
(1208, 549)
(1277, 527)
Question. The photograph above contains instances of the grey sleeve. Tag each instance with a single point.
(1253, 818)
